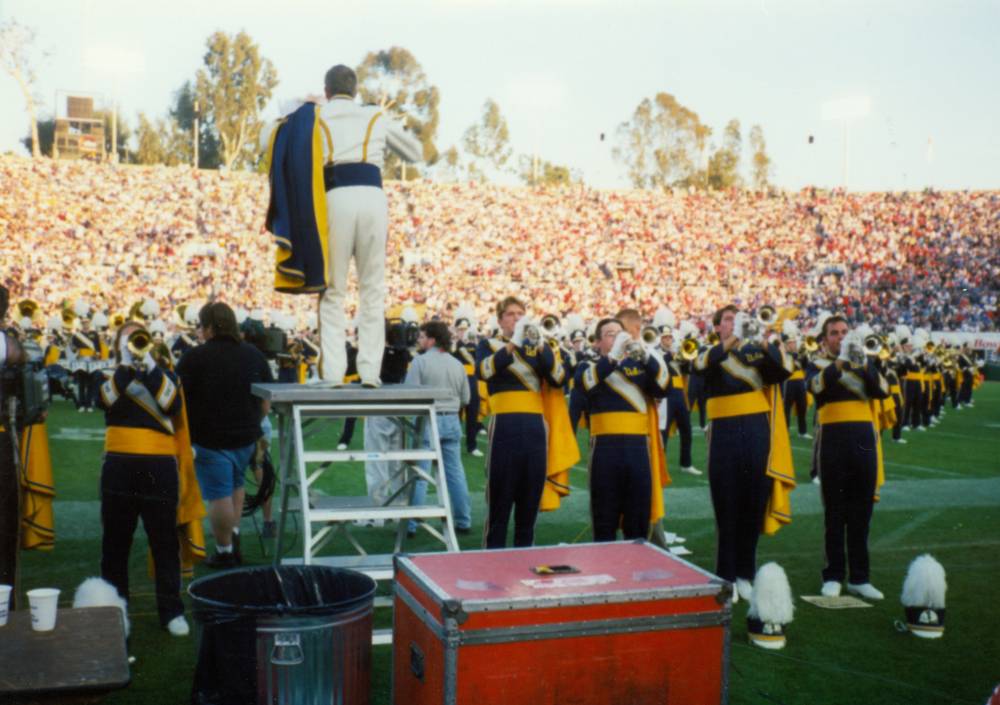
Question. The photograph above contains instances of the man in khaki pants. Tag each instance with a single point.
(358, 222)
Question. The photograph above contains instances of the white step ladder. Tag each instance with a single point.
(302, 411)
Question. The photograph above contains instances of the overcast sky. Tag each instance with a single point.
(565, 71)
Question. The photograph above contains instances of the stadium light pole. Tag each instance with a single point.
(844, 110)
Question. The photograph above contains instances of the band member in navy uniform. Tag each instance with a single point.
(465, 352)
(794, 391)
(844, 381)
(514, 367)
(621, 387)
(140, 474)
(676, 405)
(740, 476)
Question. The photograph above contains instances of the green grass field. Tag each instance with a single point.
(942, 496)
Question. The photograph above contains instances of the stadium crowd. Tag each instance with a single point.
(115, 234)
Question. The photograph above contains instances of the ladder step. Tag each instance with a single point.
(381, 637)
(364, 513)
(340, 456)
(375, 566)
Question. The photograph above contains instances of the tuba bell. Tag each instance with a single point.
(810, 344)
(873, 345)
(27, 308)
(767, 316)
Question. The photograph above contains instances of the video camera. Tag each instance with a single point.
(27, 383)
(401, 335)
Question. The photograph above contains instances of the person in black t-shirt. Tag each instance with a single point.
(224, 418)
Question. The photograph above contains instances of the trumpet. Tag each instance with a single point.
(873, 345)
(810, 344)
(767, 316)
(532, 336)
(713, 338)
(550, 326)
(929, 347)
(27, 308)
(650, 335)
(635, 350)
(139, 344)
(689, 349)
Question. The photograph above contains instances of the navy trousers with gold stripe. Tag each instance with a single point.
(738, 447)
(515, 477)
(620, 486)
(848, 467)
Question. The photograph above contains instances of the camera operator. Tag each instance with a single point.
(382, 433)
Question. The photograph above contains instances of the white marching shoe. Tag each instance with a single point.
(476, 453)
(866, 590)
(691, 470)
(831, 588)
(178, 626)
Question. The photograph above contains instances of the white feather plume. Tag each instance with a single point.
(664, 317)
(191, 313)
(820, 320)
(790, 329)
(688, 330)
(467, 312)
(311, 320)
(409, 314)
(81, 308)
(257, 314)
(100, 320)
(54, 323)
(771, 601)
(96, 592)
(158, 326)
(864, 330)
(240, 313)
(925, 583)
(149, 308)
(903, 331)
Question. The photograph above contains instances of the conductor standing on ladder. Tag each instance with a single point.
(357, 217)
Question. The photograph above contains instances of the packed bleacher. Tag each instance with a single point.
(114, 235)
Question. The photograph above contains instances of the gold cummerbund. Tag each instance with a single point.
(845, 412)
(619, 423)
(754, 402)
(516, 403)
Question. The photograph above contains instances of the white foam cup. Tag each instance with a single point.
(4, 603)
(43, 603)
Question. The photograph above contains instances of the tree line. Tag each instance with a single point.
(664, 144)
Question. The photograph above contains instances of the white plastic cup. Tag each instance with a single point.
(4, 603)
(43, 603)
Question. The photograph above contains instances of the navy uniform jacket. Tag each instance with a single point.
(617, 387)
(744, 369)
(521, 370)
(828, 384)
(135, 402)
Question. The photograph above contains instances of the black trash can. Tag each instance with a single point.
(283, 634)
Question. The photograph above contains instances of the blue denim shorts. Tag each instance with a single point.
(220, 472)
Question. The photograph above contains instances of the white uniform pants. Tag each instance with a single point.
(383, 477)
(358, 221)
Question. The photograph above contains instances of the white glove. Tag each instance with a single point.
(148, 362)
(618, 349)
(845, 346)
(739, 323)
(518, 337)
(124, 352)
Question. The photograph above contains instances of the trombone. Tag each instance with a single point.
(810, 344)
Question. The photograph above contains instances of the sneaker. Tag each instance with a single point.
(341, 446)
(269, 530)
(691, 470)
(90, 409)
(921, 428)
(221, 561)
(907, 428)
(371, 383)
(476, 453)
(178, 626)
(745, 588)
(736, 595)
(80, 410)
(806, 435)
(900, 440)
(463, 530)
(482, 432)
(831, 588)
(816, 480)
(866, 590)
